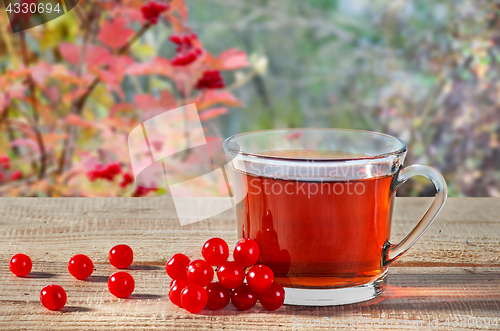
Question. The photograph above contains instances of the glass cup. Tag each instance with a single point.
(319, 204)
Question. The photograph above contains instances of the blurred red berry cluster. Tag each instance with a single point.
(107, 172)
(5, 162)
(142, 191)
(211, 79)
(152, 10)
(188, 49)
(127, 180)
(5, 165)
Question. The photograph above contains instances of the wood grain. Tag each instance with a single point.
(453, 271)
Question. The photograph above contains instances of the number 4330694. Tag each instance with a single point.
(32, 8)
(477, 322)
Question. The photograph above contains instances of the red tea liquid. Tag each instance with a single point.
(331, 239)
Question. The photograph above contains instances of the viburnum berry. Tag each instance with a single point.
(211, 79)
(260, 278)
(121, 284)
(107, 172)
(215, 251)
(246, 252)
(243, 298)
(53, 297)
(5, 162)
(16, 175)
(188, 49)
(194, 298)
(218, 296)
(200, 272)
(20, 265)
(126, 180)
(177, 265)
(273, 298)
(152, 10)
(175, 291)
(142, 191)
(80, 266)
(121, 256)
(231, 274)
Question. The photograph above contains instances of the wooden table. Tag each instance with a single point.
(452, 272)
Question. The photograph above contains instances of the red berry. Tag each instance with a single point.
(194, 298)
(121, 256)
(187, 49)
(215, 251)
(246, 252)
(218, 296)
(273, 298)
(175, 291)
(231, 275)
(152, 11)
(53, 297)
(243, 298)
(172, 283)
(127, 179)
(5, 162)
(200, 272)
(20, 265)
(80, 266)
(16, 175)
(210, 79)
(260, 278)
(142, 191)
(121, 284)
(176, 266)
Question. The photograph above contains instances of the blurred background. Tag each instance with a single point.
(73, 88)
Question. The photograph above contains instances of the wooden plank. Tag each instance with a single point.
(453, 271)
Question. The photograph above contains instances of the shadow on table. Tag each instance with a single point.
(421, 293)
(74, 309)
(40, 275)
(145, 267)
(145, 296)
(424, 293)
(96, 279)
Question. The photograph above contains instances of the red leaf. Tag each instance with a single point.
(232, 59)
(113, 75)
(152, 106)
(94, 55)
(40, 72)
(213, 113)
(25, 142)
(76, 120)
(211, 97)
(146, 102)
(168, 100)
(70, 52)
(159, 66)
(114, 33)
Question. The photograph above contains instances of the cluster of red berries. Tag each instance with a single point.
(110, 171)
(121, 284)
(211, 79)
(188, 49)
(192, 287)
(142, 191)
(126, 180)
(5, 164)
(107, 172)
(153, 9)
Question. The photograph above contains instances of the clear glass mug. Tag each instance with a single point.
(319, 204)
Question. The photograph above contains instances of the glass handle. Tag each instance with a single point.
(393, 252)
